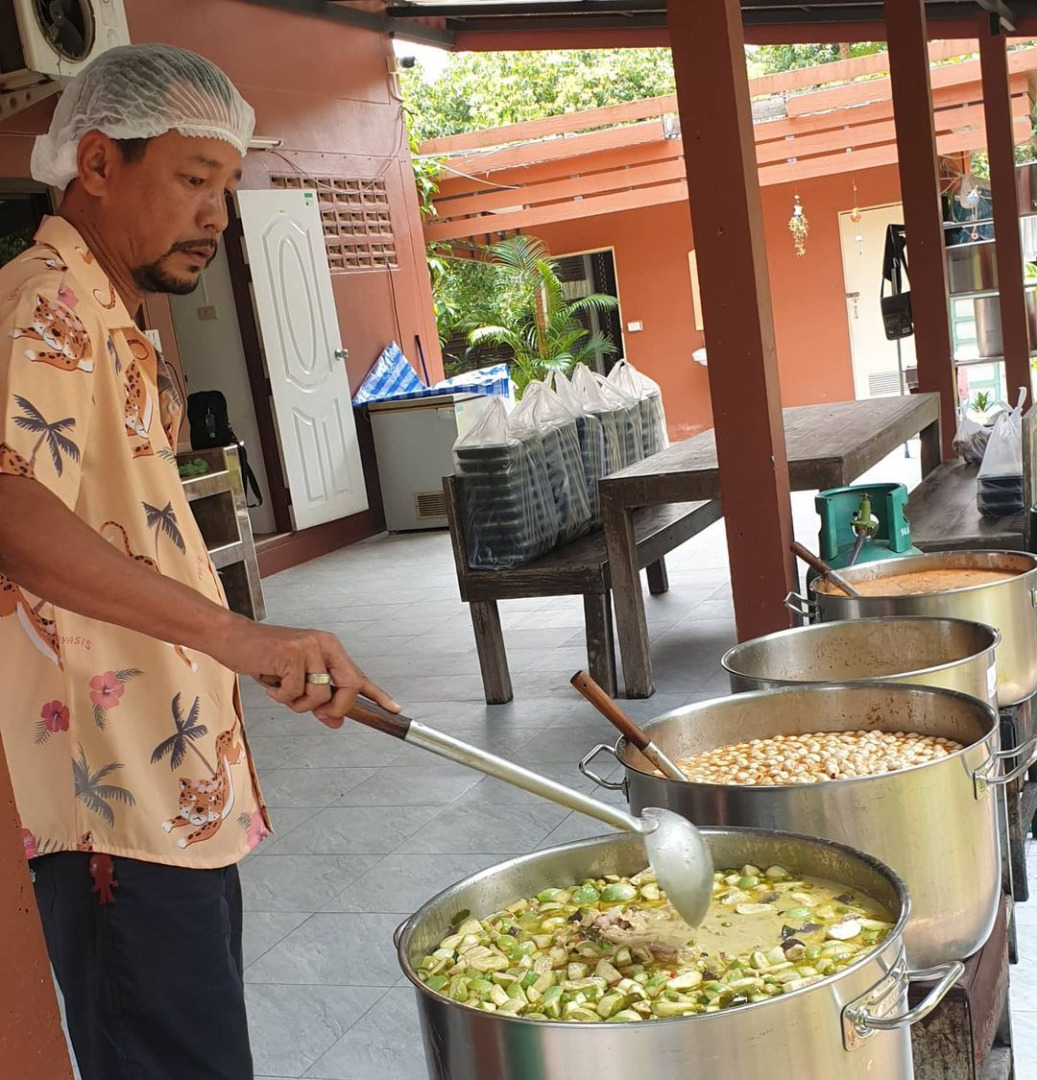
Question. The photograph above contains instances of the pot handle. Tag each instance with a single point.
(585, 768)
(871, 1013)
(800, 605)
(985, 776)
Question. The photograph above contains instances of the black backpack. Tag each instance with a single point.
(210, 427)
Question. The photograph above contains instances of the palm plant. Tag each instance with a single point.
(542, 329)
(50, 433)
(93, 792)
(164, 521)
(187, 730)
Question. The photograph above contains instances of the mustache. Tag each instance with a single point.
(203, 243)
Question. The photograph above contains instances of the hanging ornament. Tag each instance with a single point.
(799, 227)
(855, 213)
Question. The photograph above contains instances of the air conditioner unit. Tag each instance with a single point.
(45, 42)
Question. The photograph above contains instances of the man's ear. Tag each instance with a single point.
(96, 157)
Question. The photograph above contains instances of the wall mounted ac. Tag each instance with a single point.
(45, 42)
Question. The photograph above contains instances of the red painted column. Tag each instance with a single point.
(923, 217)
(997, 108)
(708, 45)
(32, 1043)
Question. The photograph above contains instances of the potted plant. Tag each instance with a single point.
(538, 325)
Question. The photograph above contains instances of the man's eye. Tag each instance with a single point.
(194, 181)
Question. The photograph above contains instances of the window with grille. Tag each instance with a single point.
(357, 225)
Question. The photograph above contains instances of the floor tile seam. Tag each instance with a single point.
(344, 986)
(406, 914)
(353, 854)
(256, 959)
(328, 1050)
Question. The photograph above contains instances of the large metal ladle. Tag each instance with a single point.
(675, 848)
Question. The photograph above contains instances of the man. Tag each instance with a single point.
(121, 719)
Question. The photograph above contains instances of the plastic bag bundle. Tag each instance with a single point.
(628, 407)
(507, 508)
(648, 392)
(971, 438)
(591, 434)
(586, 388)
(541, 411)
(999, 486)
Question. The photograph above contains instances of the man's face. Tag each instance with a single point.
(166, 210)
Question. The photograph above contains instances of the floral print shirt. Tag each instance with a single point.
(116, 742)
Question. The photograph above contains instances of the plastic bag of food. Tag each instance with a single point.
(508, 514)
(612, 417)
(648, 392)
(541, 411)
(999, 486)
(629, 410)
(591, 433)
(970, 439)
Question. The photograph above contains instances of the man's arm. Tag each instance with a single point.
(50, 552)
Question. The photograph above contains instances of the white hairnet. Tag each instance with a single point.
(140, 92)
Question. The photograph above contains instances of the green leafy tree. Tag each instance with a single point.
(774, 59)
(544, 333)
(486, 90)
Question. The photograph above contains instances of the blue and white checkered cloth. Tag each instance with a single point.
(391, 377)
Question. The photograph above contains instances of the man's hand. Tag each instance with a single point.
(281, 657)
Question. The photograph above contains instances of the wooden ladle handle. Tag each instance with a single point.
(610, 710)
(366, 712)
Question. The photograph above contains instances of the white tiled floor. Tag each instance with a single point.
(368, 829)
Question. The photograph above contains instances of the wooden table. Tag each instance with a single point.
(828, 446)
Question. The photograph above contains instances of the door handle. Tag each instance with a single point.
(342, 354)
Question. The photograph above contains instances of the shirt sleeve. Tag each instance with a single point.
(48, 350)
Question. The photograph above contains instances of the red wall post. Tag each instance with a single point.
(716, 121)
(923, 216)
(997, 107)
(32, 1043)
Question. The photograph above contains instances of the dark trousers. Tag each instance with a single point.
(152, 981)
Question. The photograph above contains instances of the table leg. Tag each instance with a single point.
(658, 580)
(601, 642)
(628, 600)
(932, 447)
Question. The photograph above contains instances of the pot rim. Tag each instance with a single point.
(895, 935)
(814, 688)
(872, 620)
(852, 572)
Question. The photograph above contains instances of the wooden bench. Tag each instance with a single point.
(580, 568)
(943, 512)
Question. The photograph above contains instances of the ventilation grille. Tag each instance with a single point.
(430, 504)
(883, 383)
(357, 224)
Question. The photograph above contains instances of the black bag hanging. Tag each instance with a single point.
(210, 427)
(896, 309)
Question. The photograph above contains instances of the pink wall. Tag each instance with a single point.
(651, 251)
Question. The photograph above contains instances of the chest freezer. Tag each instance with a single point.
(414, 441)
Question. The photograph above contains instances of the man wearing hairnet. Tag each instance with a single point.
(122, 721)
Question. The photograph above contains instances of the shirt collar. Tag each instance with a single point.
(60, 235)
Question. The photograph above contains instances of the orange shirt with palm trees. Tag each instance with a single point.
(116, 742)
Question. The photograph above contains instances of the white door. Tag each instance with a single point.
(298, 323)
(875, 371)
